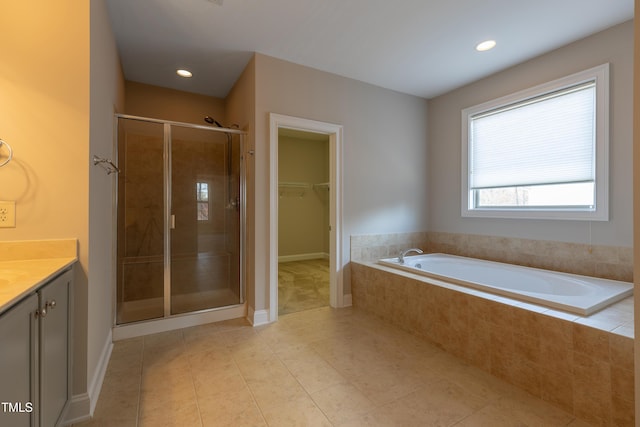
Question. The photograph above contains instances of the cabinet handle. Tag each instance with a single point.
(42, 312)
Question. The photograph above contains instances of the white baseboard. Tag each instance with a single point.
(139, 329)
(98, 377)
(79, 409)
(257, 318)
(303, 257)
(82, 405)
(347, 300)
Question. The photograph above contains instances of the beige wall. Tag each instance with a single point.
(615, 46)
(44, 115)
(169, 104)
(240, 109)
(107, 98)
(384, 153)
(303, 213)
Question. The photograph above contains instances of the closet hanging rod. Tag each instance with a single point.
(105, 164)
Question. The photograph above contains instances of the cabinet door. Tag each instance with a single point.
(18, 373)
(54, 350)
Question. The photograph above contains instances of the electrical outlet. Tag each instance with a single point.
(7, 214)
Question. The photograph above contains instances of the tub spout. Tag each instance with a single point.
(404, 254)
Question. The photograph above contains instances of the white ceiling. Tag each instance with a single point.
(420, 47)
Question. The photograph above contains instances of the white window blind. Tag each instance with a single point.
(540, 153)
(540, 141)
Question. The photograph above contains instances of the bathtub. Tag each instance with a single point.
(582, 295)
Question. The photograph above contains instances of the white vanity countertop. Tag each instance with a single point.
(25, 266)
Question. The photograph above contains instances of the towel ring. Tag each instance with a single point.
(10, 152)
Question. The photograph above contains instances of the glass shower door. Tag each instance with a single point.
(179, 219)
(205, 215)
(140, 248)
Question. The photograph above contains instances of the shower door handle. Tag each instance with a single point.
(172, 224)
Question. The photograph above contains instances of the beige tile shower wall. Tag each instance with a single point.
(583, 370)
(609, 262)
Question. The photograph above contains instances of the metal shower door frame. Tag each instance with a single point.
(167, 167)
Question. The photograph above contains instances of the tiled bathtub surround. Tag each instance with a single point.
(608, 262)
(563, 359)
(372, 247)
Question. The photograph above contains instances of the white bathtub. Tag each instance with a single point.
(582, 295)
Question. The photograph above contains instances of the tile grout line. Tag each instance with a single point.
(140, 382)
(193, 383)
(253, 397)
(304, 388)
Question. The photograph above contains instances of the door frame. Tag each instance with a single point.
(335, 133)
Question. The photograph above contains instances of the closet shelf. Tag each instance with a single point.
(293, 185)
(299, 188)
(289, 189)
(321, 186)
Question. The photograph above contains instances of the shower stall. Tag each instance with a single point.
(180, 218)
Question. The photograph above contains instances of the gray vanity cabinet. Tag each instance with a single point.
(54, 350)
(18, 367)
(34, 357)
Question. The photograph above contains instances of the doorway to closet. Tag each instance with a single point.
(330, 190)
(303, 220)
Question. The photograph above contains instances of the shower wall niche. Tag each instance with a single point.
(180, 219)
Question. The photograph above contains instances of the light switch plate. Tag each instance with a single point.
(7, 214)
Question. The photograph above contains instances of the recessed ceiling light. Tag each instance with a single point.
(184, 73)
(486, 45)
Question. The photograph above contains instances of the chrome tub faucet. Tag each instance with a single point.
(404, 254)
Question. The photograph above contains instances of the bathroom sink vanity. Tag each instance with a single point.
(35, 340)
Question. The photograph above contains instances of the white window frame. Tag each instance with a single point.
(600, 212)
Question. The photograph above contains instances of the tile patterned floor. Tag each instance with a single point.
(321, 367)
(303, 285)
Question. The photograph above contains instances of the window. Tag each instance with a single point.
(539, 153)
(202, 199)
